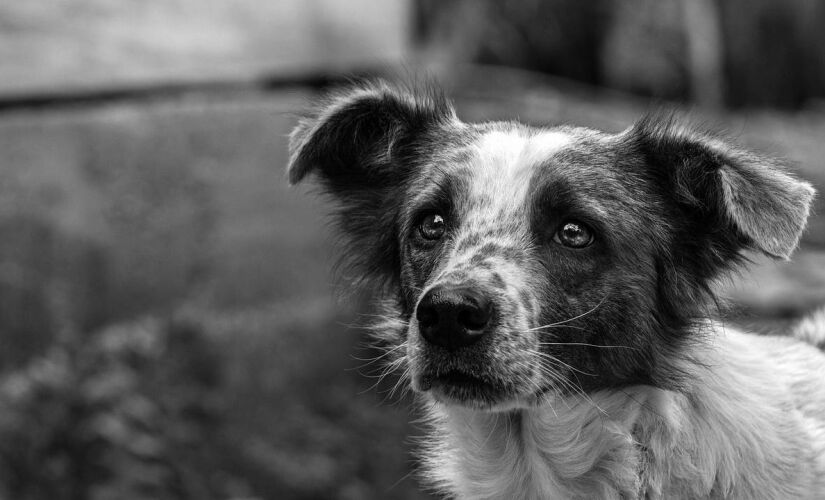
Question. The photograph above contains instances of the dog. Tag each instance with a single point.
(549, 294)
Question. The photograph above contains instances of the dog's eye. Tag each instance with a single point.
(432, 227)
(573, 234)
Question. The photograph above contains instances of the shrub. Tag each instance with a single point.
(125, 414)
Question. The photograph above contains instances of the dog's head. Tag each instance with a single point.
(533, 261)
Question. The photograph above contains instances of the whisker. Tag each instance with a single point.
(590, 345)
(554, 359)
(389, 368)
(573, 318)
(560, 381)
(385, 317)
(370, 361)
(555, 325)
(554, 377)
(401, 380)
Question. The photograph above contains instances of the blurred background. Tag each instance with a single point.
(168, 322)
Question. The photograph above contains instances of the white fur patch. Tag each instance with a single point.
(505, 161)
(812, 329)
(751, 425)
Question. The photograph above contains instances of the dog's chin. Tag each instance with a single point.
(456, 388)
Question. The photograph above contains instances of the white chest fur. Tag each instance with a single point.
(750, 425)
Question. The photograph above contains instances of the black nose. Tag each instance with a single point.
(453, 317)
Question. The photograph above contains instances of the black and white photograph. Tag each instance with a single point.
(412, 249)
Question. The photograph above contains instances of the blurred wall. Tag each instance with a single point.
(66, 46)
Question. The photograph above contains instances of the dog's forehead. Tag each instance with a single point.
(506, 160)
(494, 170)
(504, 165)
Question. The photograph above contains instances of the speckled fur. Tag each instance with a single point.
(601, 375)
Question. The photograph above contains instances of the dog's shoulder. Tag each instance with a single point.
(748, 395)
(811, 329)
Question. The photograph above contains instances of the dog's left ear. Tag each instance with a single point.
(353, 138)
(363, 144)
(751, 195)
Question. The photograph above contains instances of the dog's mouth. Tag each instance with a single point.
(463, 388)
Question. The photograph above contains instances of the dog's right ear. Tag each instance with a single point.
(352, 139)
(738, 199)
(363, 144)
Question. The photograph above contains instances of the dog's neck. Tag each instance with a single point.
(572, 449)
(638, 442)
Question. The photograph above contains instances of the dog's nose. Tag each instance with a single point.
(453, 317)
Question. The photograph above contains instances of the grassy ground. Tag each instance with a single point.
(114, 212)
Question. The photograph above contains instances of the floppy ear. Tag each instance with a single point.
(745, 199)
(352, 136)
(362, 144)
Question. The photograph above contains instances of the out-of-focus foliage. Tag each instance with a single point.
(302, 419)
(127, 414)
(256, 404)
